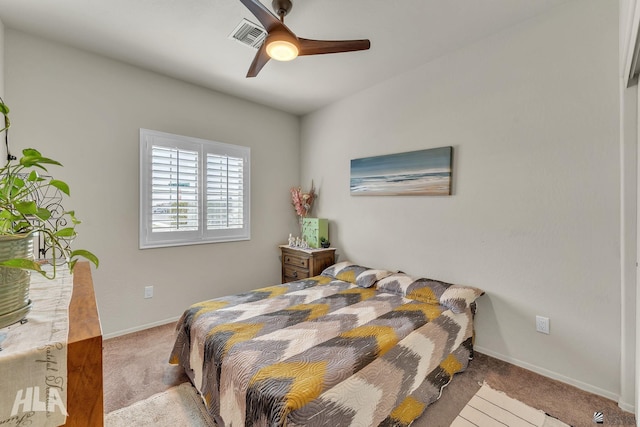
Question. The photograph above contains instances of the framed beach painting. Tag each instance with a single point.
(414, 173)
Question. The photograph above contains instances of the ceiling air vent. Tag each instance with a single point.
(249, 34)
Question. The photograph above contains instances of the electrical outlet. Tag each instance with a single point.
(148, 291)
(542, 324)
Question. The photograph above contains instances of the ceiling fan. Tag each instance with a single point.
(282, 44)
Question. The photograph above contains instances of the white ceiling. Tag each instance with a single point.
(188, 39)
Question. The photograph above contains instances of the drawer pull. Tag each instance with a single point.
(295, 274)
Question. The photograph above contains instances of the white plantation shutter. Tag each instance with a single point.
(174, 189)
(192, 190)
(225, 190)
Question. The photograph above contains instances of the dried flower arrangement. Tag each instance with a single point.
(302, 202)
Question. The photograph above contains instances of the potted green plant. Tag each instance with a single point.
(25, 213)
(324, 242)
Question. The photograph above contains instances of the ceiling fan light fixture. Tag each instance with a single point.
(281, 48)
(282, 44)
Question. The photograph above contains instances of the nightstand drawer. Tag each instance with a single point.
(296, 261)
(299, 263)
(292, 273)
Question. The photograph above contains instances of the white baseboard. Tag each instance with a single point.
(140, 328)
(556, 376)
(626, 406)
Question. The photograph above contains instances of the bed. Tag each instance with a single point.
(353, 346)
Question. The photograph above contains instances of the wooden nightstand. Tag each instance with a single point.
(300, 263)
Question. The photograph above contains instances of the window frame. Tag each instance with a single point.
(147, 238)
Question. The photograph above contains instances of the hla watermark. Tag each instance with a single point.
(618, 420)
(29, 400)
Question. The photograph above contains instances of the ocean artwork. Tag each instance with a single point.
(415, 173)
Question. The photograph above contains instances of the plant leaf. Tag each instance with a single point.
(21, 226)
(49, 161)
(65, 232)
(72, 215)
(3, 108)
(27, 208)
(17, 183)
(60, 185)
(85, 254)
(25, 264)
(29, 161)
(32, 157)
(31, 152)
(43, 214)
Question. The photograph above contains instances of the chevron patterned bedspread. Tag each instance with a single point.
(354, 346)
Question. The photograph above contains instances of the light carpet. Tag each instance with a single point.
(178, 406)
(182, 406)
(489, 408)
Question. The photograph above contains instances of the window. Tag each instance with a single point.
(192, 191)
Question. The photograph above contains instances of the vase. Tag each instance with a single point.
(14, 282)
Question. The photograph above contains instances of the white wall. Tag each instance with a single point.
(1, 59)
(628, 205)
(3, 154)
(533, 116)
(86, 111)
(628, 234)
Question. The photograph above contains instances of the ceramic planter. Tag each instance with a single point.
(14, 282)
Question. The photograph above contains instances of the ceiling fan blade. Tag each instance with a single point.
(259, 61)
(268, 20)
(319, 47)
